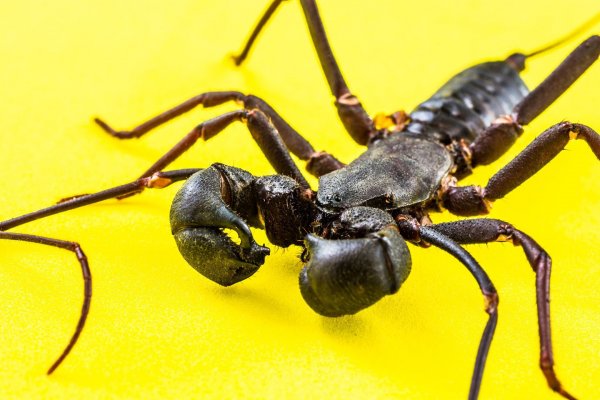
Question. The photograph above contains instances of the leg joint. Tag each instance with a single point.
(320, 163)
(466, 200)
(491, 302)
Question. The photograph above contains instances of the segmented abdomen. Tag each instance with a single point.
(468, 103)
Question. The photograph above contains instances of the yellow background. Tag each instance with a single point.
(157, 329)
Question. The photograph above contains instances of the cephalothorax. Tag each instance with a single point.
(354, 229)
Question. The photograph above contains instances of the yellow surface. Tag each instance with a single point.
(157, 329)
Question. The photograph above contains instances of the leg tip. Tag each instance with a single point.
(118, 134)
(238, 59)
(555, 384)
(104, 126)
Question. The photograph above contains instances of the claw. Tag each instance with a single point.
(210, 201)
(211, 252)
(344, 276)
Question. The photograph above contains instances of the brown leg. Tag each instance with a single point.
(490, 230)
(319, 163)
(239, 59)
(355, 119)
(158, 180)
(498, 138)
(473, 200)
(543, 149)
(209, 99)
(87, 283)
(444, 242)
(262, 130)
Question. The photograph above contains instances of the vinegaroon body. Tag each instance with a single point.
(355, 227)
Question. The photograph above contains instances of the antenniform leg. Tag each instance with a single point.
(473, 200)
(490, 230)
(87, 283)
(318, 162)
(158, 180)
(352, 114)
(362, 259)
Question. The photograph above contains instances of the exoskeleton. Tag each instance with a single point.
(354, 228)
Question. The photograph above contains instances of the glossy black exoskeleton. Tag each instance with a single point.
(354, 229)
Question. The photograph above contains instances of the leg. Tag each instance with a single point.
(229, 189)
(319, 163)
(87, 280)
(264, 133)
(438, 239)
(239, 59)
(230, 200)
(558, 81)
(473, 200)
(157, 181)
(489, 230)
(355, 119)
(498, 138)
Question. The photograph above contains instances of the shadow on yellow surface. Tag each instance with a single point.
(157, 329)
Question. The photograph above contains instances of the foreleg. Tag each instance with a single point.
(158, 180)
(87, 283)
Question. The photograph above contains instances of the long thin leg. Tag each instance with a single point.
(490, 295)
(498, 138)
(87, 287)
(158, 180)
(239, 59)
(354, 117)
(491, 230)
(262, 130)
(319, 162)
(352, 114)
(473, 200)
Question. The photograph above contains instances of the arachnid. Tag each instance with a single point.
(342, 227)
